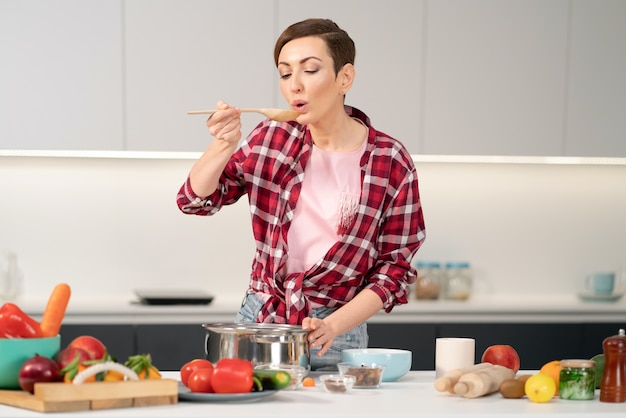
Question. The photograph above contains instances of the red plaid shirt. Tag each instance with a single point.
(374, 253)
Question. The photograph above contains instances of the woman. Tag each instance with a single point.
(335, 207)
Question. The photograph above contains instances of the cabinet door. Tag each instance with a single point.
(419, 338)
(118, 339)
(594, 335)
(171, 345)
(61, 75)
(496, 77)
(397, 39)
(536, 344)
(186, 55)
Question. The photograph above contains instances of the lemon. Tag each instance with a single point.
(553, 369)
(540, 388)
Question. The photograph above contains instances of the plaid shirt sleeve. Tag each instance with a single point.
(400, 227)
(229, 190)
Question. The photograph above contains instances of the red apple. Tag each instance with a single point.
(38, 369)
(502, 355)
(91, 345)
(68, 354)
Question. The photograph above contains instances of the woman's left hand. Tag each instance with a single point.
(321, 335)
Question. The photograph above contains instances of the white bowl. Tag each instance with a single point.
(397, 362)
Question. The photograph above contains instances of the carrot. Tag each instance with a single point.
(149, 373)
(55, 310)
(69, 376)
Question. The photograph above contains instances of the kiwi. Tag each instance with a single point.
(512, 388)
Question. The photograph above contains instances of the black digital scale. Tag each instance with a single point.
(173, 297)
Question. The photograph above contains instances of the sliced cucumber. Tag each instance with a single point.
(273, 379)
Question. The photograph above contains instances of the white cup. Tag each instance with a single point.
(453, 353)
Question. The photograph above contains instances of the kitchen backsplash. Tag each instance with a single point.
(108, 225)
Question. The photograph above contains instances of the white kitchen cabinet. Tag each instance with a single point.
(596, 120)
(60, 77)
(389, 56)
(479, 77)
(495, 77)
(182, 56)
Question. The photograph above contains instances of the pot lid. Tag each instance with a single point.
(262, 328)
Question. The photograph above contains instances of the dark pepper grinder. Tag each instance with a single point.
(613, 384)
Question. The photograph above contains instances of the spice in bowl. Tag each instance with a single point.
(368, 375)
(336, 383)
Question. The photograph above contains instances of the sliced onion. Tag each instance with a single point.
(101, 367)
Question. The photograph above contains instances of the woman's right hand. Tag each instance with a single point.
(225, 124)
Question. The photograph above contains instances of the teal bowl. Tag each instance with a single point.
(397, 362)
(15, 351)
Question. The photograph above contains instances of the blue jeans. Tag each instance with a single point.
(355, 338)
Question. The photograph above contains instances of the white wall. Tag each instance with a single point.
(110, 225)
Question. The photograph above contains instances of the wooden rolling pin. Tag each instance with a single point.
(450, 378)
(482, 382)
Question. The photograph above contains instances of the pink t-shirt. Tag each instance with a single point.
(328, 200)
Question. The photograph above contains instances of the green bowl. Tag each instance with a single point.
(15, 351)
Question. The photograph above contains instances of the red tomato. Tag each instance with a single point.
(233, 376)
(200, 380)
(192, 366)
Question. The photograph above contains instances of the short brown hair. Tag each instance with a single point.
(340, 46)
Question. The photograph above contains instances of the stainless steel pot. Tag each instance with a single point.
(259, 343)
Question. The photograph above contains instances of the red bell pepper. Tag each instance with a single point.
(14, 323)
(232, 375)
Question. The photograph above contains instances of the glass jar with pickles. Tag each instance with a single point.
(577, 379)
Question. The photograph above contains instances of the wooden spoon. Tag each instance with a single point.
(279, 115)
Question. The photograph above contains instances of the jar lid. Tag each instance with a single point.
(428, 264)
(457, 265)
(578, 364)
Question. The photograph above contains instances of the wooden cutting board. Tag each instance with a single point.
(62, 397)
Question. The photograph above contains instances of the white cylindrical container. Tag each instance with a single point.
(453, 353)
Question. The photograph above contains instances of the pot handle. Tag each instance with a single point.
(206, 345)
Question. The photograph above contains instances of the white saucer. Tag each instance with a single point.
(594, 297)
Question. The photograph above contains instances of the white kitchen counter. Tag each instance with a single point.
(412, 395)
(497, 308)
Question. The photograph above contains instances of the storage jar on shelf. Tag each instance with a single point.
(428, 282)
(458, 281)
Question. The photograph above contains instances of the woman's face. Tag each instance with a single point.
(307, 79)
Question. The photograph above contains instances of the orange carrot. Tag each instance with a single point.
(55, 310)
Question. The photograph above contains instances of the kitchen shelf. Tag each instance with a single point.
(479, 308)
